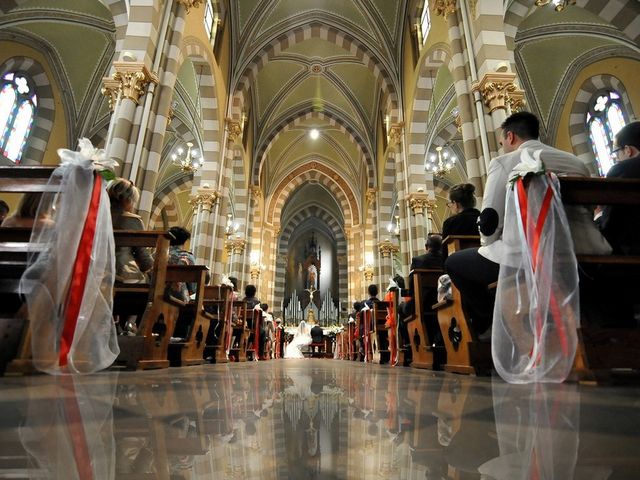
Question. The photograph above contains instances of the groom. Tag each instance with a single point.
(473, 269)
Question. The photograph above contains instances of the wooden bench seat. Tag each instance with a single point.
(218, 302)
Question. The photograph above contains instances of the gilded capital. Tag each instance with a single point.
(205, 197)
(419, 202)
(395, 134)
(235, 245)
(255, 272)
(133, 78)
(516, 101)
(189, 4)
(371, 195)
(388, 248)
(111, 88)
(235, 131)
(497, 88)
(170, 115)
(444, 7)
(256, 192)
(368, 274)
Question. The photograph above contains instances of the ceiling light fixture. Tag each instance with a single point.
(189, 162)
(314, 134)
(441, 162)
(559, 5)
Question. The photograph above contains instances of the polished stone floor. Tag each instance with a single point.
(313, 419)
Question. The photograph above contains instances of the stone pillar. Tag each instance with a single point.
(406, 234)
(235, 249)
(419, 203)
(387, 251)
(202, 202)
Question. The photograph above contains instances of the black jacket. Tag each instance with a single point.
(463, 223)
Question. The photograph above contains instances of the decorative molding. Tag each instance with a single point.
(371, 195)
(395, 134)
(496, 89)
(254, 271)
(110, 88)
(189, 4)
(368, 274)
(170, 115)
(444, 7)
(235, 131)
(256, 192)
(419, 202)
(388, 248)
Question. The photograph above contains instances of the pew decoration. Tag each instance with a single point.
(536, 312)
(68, 284)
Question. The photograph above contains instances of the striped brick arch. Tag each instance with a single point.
(325, 176)
(304, 32)
(580, 106)
(334, 225)
(44, 115)
(166, 200)
(295, 120)
(624, 18)
(118, 9)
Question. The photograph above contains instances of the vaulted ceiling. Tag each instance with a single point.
(331, 65)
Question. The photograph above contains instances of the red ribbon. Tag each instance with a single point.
(78, 436)
(80, 272)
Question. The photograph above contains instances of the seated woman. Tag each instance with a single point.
(25, 216)
(465, 216)
(179, 256)
(131, 262)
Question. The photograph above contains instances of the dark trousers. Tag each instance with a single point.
(471, 273)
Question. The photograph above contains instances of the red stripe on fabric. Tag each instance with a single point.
(542, 217)
(256, 337)
(80, 271)
(523, 201)
(75, 425)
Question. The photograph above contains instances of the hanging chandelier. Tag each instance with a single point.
(189, 161)
(441, 162)
(559, 5)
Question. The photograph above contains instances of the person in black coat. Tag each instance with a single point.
(465, 216)
(433, 258)
(620, 224)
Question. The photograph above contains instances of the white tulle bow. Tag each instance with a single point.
(226, 281)
(528, 165)
(392, 284)
(87, 152)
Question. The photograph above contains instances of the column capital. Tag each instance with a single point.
(254, 271)
(419, 202)
(370, 195)
(368, 274)
(133, 79)
(235, 130)
(395, 134)
(170, 114)
(111, 88)
(255, 191)
(207, 197)
(516, 101)
(496, 89)
(189, 4)
(235, 245)
(444, 7)
(388, 248)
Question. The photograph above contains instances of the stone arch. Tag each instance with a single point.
(299, 33)
(294, 120)
(165, 200)
(118, 9)
(580, 106)
(44, 115)
(322, 174)
(334, 225)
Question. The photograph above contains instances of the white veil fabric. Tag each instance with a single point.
(68, 284)
(301, 338)
(536, 314)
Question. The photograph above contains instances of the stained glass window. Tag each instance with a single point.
(18, 103)
(605, 118)
(210, 20)
(425, 21)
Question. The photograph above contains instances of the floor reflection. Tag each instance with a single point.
(313, 419)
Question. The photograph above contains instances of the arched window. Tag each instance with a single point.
(18, 103)
(605, 118)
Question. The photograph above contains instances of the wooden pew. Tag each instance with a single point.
(240, 332)
(157, 311)
(218, 301)
(379, 337)
(423, 352)
(193, 320)
(613, 278)
(465, 353)
(254, 324)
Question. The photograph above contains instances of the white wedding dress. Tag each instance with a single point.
(301, 338)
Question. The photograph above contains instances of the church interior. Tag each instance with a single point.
(310, 149)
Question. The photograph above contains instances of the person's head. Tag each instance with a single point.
(234, 282)
(180, 236)
(28, 206)
(517, 129)
(373, 290)
(461, 197)
(627, 142)
(250, 291)
(399, 279)
(434, 243)
(264, 307)
(123, 194)
(4, 210)
(357, 306)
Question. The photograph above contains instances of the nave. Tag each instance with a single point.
(313, 419)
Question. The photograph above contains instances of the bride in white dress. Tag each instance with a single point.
(301, 338)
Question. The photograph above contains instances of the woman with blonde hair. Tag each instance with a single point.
(25, 216)
(131, 262)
